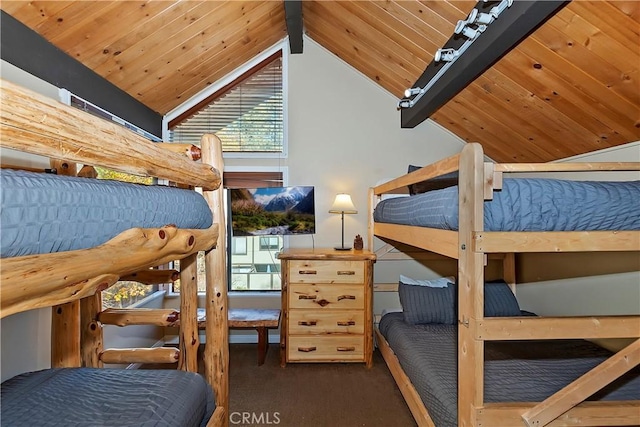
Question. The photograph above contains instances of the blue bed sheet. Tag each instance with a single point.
(44, 213)
(106, 397)
(515, 371)
(527, 205)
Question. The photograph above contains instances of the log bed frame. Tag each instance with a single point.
(71, 282)
(471, 246)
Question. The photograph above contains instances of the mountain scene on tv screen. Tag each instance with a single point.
(273, 211)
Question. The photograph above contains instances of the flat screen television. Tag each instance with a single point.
(272, 211)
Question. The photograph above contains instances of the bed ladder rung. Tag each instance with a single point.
(141, 355)
(139, 316)
(152, 276)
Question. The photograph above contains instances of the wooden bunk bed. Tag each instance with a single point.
(470, 244)
(71, 281)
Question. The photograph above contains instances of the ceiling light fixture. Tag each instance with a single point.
(477, 19)
(446, 55)
(412, 92)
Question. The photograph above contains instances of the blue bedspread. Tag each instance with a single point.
(515, 371)
(527, 205)
(106, 397)
(43, 213)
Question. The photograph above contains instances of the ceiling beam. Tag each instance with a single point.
(512, 26)
(293, 17)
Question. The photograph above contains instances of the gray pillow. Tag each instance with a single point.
(424, 304)
(499, 301)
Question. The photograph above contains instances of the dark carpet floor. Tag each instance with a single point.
(312, 394)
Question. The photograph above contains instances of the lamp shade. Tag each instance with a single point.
(343, 204)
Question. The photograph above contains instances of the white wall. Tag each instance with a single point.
(584, 283)
(345, 136)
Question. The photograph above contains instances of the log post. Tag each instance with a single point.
(140, 355)
(64, 167)
(216, 357)
(189, 338)
(65, 335)
(65, 318)
(92, 342)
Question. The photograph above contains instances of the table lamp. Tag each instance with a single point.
(343, 205)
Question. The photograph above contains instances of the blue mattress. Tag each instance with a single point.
(44, 213)
(527, 371)
(526, 205)
(106, 397)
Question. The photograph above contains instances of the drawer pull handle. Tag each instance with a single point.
(341, 297)
(347, 323)
(346, 348)
(306, 349)
(307, 322)
(307, 272)
(307, 296)
(346, 273)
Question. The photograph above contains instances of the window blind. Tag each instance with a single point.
(247, 115)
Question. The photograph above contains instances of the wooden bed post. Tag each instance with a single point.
(509, 270)
(91, 341)
(65, 335)
(471, 285)
(65, 318)
(370, 234)
(189, 339)
(216, 355)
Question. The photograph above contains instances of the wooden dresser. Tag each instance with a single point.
(326, 306)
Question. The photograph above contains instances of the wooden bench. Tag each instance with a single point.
(250, 318)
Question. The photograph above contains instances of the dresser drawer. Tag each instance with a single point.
(325, 349)
(326, 296)
(316, 271)
(326, 322)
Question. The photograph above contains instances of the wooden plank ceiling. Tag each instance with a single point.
(572, 87)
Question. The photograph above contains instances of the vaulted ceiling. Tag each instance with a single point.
(571, 87)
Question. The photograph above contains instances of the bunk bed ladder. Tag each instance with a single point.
(77, 326)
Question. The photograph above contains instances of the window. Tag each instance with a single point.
(258, 269)
(268, 268)
(124, 294)
(73, 100)
(239, 246)
(269, 243)
(247, 114)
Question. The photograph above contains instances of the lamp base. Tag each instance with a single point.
(341, 248)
